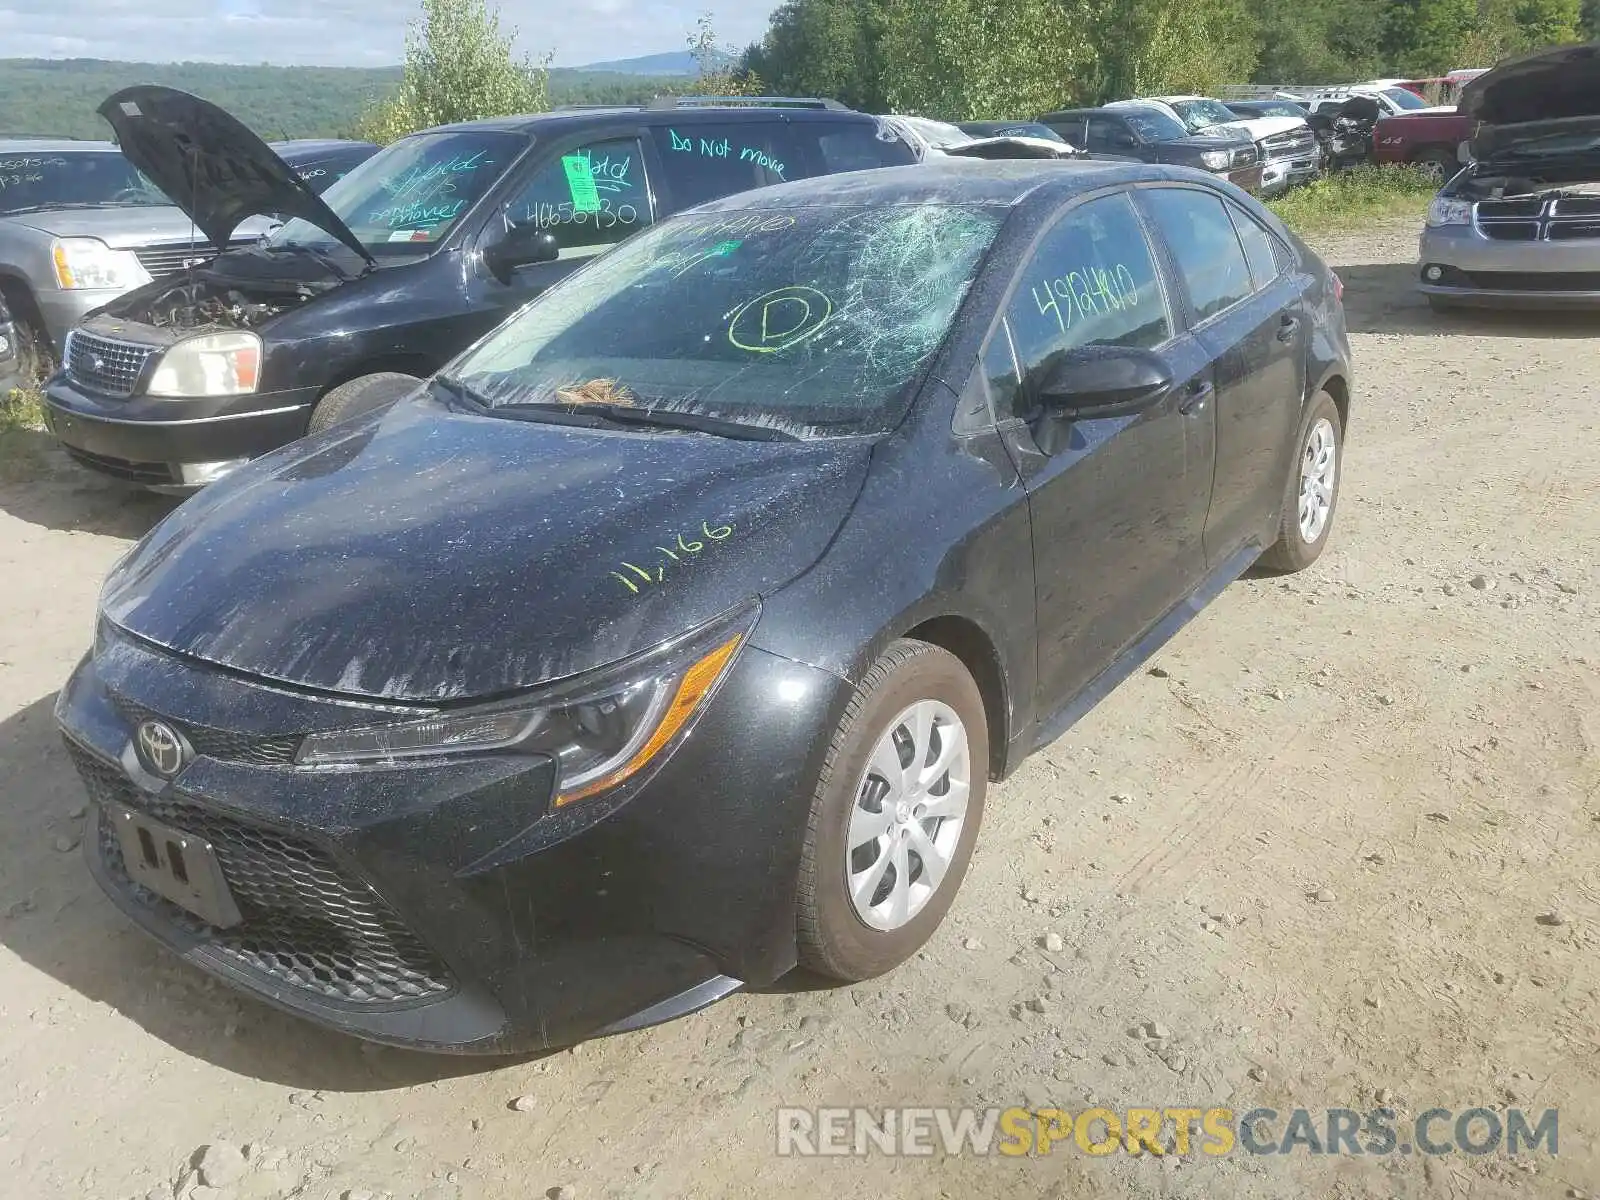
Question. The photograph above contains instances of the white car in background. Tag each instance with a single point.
(1287, 146)
(940, 139)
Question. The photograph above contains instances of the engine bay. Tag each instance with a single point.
(203, 303)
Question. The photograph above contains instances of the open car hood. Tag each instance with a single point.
(1535, 95)
(211, 165)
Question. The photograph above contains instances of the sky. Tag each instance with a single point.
(349, 33)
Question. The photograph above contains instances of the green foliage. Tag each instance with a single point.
(459, 66)
(720, 71)
(58, 97)
(1354, 198)
(1318, 41)
(826, 48)
(968, 60)
(1427, 37)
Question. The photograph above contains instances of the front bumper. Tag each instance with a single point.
(1478, 271)
(1248, 178)
(151, 442)
(1279, 175)
(442, 905)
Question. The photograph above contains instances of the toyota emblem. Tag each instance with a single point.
(161, 750)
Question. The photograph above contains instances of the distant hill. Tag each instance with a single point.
(678, 63)
(59, 96)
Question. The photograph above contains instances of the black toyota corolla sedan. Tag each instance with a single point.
(673, 634)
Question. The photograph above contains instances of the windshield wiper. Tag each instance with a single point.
(657, 418)
(460, 392)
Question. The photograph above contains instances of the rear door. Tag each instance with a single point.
(1247, 311)
(707, 160)
(1118, 504)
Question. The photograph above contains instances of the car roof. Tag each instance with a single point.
(530, 124)
(30, 145)
(318, 145)
(1004, 182)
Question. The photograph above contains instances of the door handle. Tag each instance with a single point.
(1197, 394)
(1287, 328)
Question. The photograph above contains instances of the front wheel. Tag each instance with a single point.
(1312, 491)
(358, 396)
(895, 814)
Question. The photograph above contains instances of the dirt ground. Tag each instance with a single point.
(1344, 845)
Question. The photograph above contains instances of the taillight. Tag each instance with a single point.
(1338, 286)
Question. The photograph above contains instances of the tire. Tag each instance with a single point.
(835, 938)
(358, 397)
(1440, 160)
(1294, 551)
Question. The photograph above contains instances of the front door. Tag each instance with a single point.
(588, 196)
(1118, 504)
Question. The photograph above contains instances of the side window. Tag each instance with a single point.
(1071, 128)
(1000, 374)
(1202, 238)
(706, 162)
(1092, 281)
(590, 198)
(1260, 248)
(1107, 133)
(857, 147)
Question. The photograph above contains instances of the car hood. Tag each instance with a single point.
(429, 555)
(124, 228)
(1256, 128)
(1546, 92)
(212, 166)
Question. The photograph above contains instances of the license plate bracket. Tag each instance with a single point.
(177, 866)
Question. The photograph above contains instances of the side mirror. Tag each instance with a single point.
(1102, 381)
(1124, 141)
(523, 246)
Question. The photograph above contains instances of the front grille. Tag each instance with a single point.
(1245, 156)
(105, 365)
(221, 744)
(172, 257)
(307, 922)
(1294, 143)
(1535, 218)
(121, 468)
(1535, 281)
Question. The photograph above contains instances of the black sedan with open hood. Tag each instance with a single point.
(671, 636)
(396, 267)
(1520, 226)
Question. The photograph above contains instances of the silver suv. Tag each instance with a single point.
(79, 226)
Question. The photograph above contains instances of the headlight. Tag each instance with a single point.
(602, 729)
(1216, 159)
(1447, 211)
(217, 364)
(83, 263)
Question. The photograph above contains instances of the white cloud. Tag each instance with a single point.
(347, 33)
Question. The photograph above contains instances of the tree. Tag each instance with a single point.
(829, 48)
(1155, 47)
(721, 70)
(967, 60)
(1591, 18)
(460, 66)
